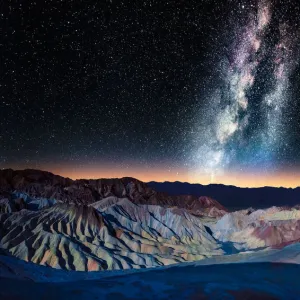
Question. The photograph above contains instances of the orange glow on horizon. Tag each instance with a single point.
(160, 174)
(286, 178)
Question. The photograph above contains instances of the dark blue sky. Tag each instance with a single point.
(131, 84)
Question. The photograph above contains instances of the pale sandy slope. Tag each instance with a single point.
(247, 229)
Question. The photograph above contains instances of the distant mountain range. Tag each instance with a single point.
(36, 184)
(233, 197)
(41, 184)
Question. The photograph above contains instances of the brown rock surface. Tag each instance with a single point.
(43, 184)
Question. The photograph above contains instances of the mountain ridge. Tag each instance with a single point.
(234, 197)
(221, 184)
(43, 184)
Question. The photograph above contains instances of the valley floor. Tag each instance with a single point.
(223, 281)
(256, 275)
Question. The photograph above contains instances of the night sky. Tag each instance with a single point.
(198, 91)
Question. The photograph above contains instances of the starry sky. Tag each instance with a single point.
(199, 91)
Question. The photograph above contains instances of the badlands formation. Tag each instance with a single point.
(51, 224)
(112, 224)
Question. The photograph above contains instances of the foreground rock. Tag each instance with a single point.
(225, 281)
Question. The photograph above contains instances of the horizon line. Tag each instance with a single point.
(154, 181)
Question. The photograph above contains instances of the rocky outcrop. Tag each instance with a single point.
(44, 185)
(103, 224)
(9, 205)
(248, 229)
(118, 234)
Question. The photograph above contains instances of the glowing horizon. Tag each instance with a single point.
(284, 178)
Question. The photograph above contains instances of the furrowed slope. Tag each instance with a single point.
(249, 229)
(123, 235)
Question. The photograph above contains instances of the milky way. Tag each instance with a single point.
(225, 124)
